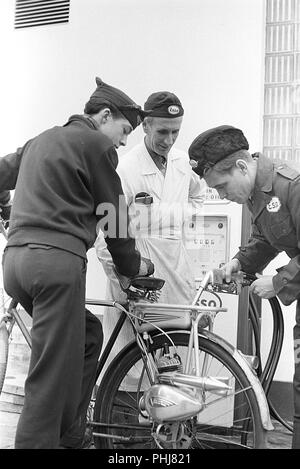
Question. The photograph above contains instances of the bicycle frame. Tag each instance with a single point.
(114, 335)
(13, 316)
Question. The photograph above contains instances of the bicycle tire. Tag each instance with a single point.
(3, 352)
(109, 409)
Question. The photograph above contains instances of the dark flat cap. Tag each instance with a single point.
(107, 94)
(214, 145)
(163, 104)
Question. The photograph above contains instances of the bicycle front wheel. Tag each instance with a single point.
(231, 421)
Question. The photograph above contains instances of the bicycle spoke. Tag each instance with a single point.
(226, 421)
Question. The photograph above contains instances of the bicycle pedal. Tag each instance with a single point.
(143, 418)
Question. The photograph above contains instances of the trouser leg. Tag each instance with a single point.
(54, 281)
(94, 338)
(296, 382)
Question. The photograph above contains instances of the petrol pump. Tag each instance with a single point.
(212, 239)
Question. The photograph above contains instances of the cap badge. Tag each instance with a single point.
(274, 205)
(173, 110)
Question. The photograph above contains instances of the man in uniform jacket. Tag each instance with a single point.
(271, 192)
(61, 178)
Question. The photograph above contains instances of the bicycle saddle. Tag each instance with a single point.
(147, 283)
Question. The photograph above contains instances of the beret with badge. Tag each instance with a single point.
(214, 145)
(163, 104)
(107, 94)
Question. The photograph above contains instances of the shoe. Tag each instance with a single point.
(86, 443)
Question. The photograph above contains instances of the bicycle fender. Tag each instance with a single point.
(257, 388)
(249, 372)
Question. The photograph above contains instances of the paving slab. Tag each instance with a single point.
(280, 438)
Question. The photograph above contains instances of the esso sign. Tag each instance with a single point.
(210, 300)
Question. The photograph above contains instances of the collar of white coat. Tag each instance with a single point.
(148, 166)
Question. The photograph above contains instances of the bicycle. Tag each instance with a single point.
(177, 385)
(191, 388)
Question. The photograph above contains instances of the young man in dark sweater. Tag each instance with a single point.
(61, 179)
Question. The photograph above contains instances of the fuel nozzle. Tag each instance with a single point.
(238, 280)
(218, 283)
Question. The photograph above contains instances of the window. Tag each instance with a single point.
(282, 81)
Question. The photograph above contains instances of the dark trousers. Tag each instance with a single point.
(66, 342)
(296, 381)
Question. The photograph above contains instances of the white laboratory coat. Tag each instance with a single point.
(158, 228)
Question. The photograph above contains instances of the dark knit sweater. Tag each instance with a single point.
(62, 176)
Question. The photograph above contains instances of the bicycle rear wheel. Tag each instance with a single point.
(226, 422)
(3, 352)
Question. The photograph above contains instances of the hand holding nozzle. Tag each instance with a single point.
(237, 278)
(219, 283)
(232, 271)
(232, 267)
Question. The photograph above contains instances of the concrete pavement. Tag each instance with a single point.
(280, 438)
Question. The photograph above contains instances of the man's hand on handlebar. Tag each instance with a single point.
(146, 267)
(5, 213)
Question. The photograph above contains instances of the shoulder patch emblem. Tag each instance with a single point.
(274, 205)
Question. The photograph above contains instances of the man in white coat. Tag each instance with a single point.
(162, 192)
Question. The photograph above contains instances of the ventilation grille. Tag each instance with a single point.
(30, 13)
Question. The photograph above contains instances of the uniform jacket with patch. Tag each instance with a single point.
(275, 210)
